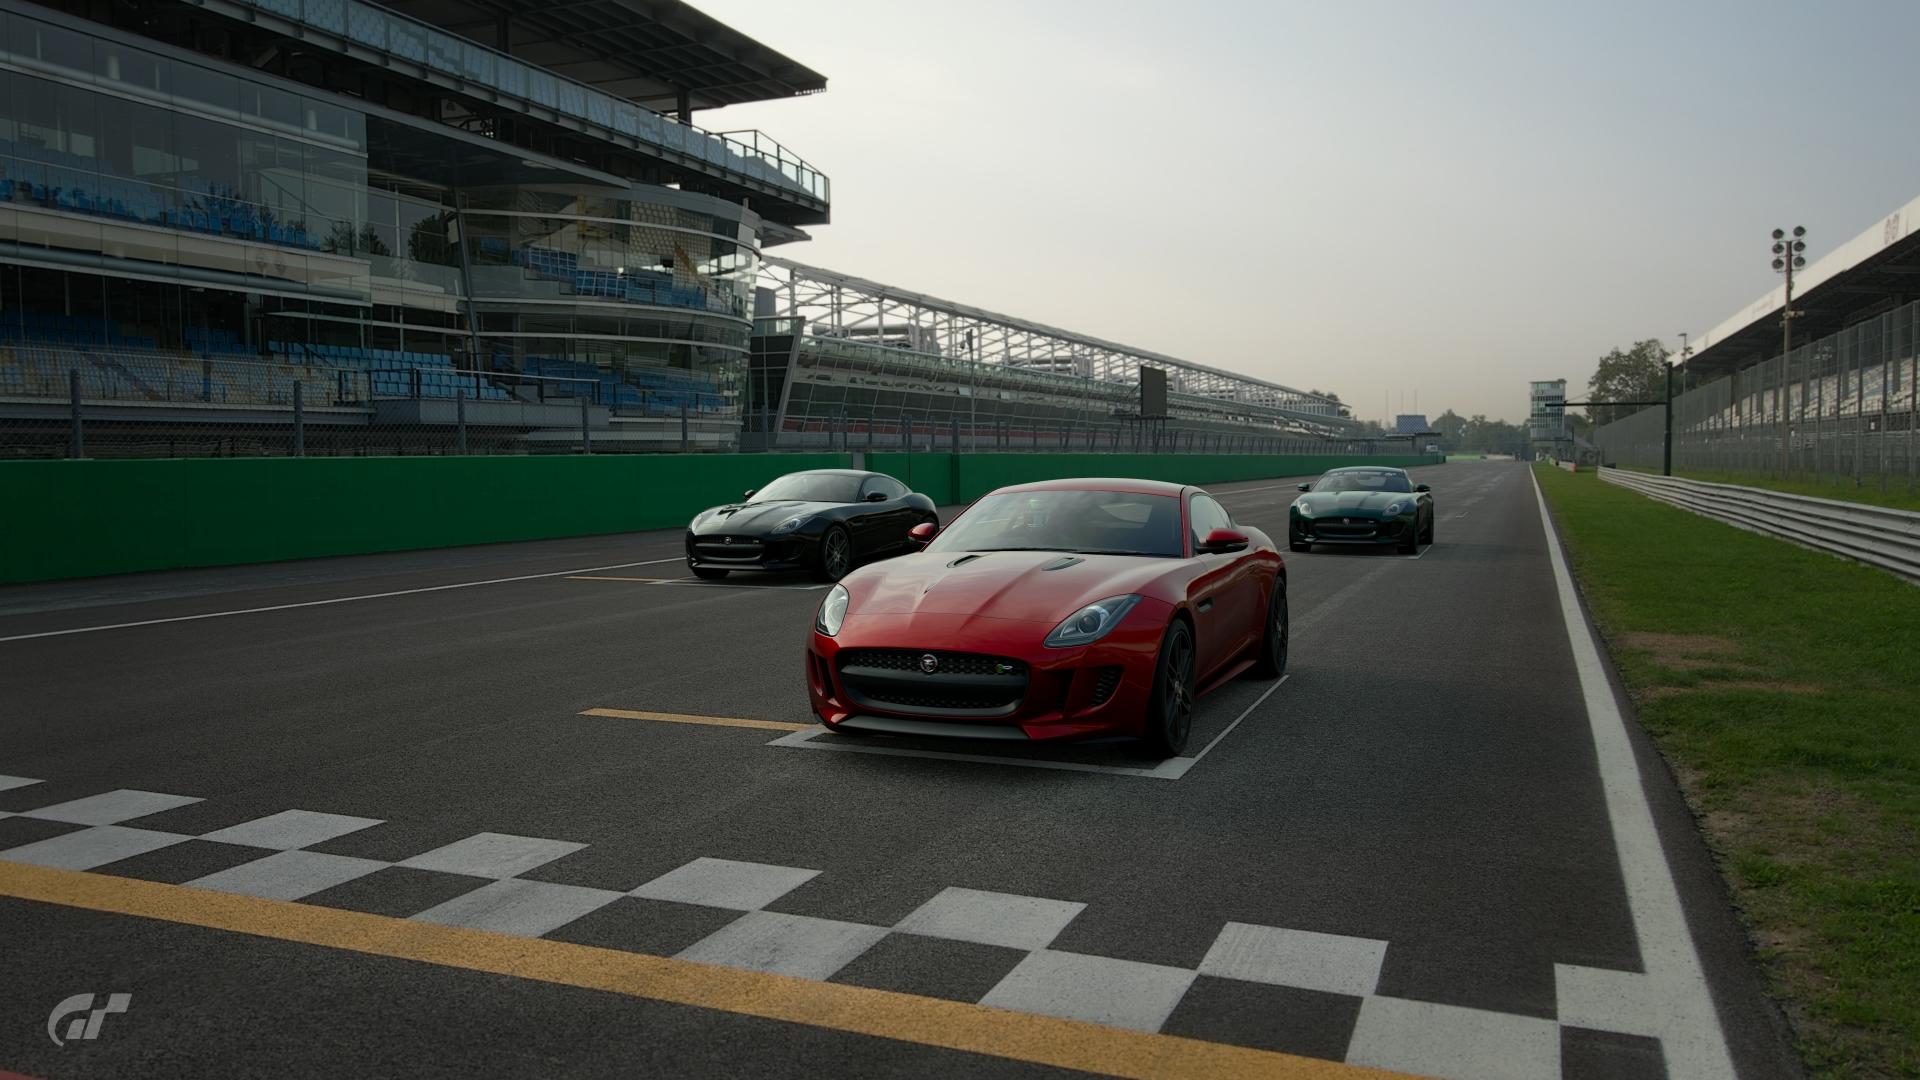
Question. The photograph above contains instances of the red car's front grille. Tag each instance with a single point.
(933, 683)
(946, 663)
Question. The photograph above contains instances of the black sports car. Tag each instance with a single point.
(823, 521)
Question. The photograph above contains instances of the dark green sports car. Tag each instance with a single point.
(1365, 505)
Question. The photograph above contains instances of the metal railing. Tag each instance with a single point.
(1876, 535)
(748, 153)
(1840, 410)
(58, 401)
(79, 401)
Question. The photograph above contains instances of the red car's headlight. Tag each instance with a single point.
(833, 611)
(1091, 623)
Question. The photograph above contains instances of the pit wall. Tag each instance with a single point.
(66, 519)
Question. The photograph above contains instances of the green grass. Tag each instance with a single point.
(1896, 495)
(1784, 687)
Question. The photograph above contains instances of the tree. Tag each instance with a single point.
(1639, 374)
(1452, 428)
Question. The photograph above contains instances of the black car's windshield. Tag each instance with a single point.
(1363, 480)
(1084, 522)
(810, 487)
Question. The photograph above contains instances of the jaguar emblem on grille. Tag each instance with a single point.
(929, 663)
(726, 541)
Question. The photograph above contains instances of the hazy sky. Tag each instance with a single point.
(1370, 198)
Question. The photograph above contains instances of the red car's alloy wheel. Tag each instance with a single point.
(1170, 718)
(1272, 661)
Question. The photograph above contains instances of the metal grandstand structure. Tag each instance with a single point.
(833, 305)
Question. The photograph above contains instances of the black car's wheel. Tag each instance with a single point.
(1296, 545)
(835, 556)
(707, 573)
(1272, 661)
(1170, 708)
(1429, 536)
(1410, 540)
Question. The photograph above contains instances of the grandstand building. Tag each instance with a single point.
(240, 226)
(841, 360)
(1841, 401)
(203, 202)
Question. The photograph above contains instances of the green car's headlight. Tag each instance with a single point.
(833, 611)
(1304, 507)
(1393, 509)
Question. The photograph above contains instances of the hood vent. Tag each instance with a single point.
(1062, 563)
(967, 558)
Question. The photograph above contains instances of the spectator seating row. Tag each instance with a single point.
(659, 391)
(634, 286)
(30, 172)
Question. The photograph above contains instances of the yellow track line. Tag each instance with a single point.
(953, 1025)
(711, 721)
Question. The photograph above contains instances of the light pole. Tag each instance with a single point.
(1686, 351)
(1786, 259)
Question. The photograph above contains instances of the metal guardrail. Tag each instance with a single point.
(1876, 535)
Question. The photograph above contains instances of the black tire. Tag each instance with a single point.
(707, 573)
(1410, 545)
(1295, 545)
(1272, 661)
(1429, 528)
(1170, 708)
(834, 557)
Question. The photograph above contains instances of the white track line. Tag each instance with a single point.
(334, 600)
(1171, 769)
(1672, 998)
(1244, 713)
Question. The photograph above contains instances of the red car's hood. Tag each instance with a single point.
(1029, 586)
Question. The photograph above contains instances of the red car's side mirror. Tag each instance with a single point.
(1223, 540)
(923, 533)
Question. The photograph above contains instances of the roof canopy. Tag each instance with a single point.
(646, 51)
(1875, 271)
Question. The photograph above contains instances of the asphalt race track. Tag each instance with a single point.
(441, 811)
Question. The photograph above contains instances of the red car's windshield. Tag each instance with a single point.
(1083, 522)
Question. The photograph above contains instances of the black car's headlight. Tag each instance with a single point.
(698, 518)
(1393, 509)
(1303, 508)
(833, 611)
(1091, 623)
(789, 525)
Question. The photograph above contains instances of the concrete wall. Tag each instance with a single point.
(61, 519)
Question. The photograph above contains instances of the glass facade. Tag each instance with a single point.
(1545, 422)
(252, 211)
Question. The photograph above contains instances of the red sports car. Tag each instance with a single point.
(1058, 610)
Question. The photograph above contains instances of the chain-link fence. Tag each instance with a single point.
(87, 402)
(1838, 410)
(83, 401)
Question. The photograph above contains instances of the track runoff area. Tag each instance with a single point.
(558, 808)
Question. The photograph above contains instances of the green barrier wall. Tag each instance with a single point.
(61, 519)
(82, 518)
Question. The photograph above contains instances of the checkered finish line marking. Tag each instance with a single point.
(770, 958)
(880, 1013)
